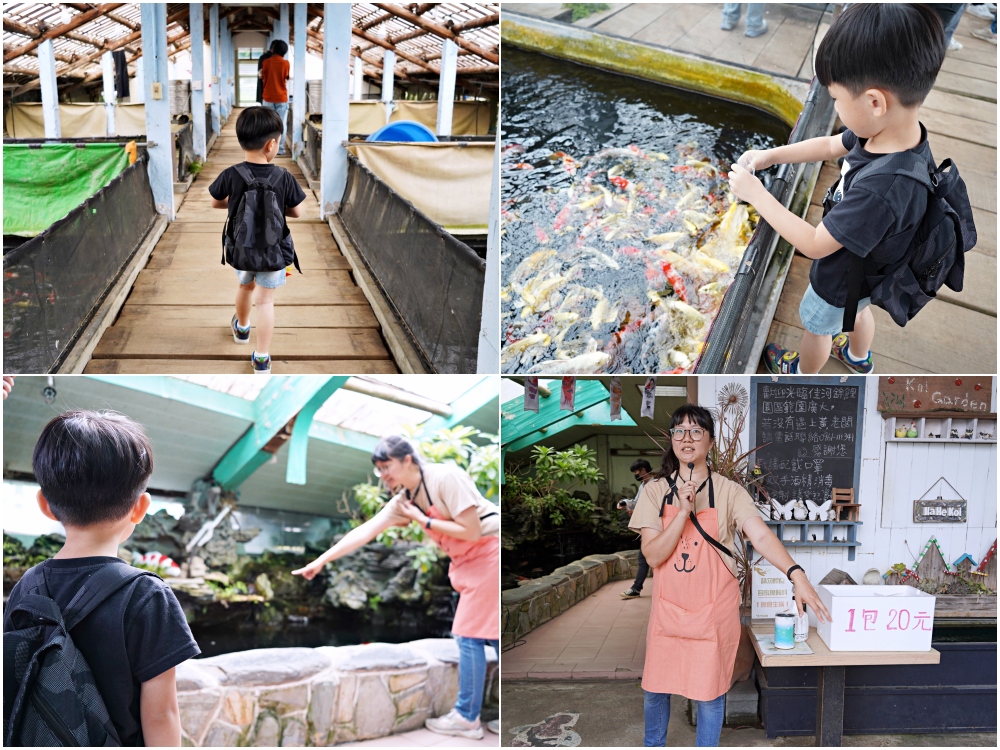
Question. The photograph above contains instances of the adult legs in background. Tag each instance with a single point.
(731, 15)
(282, 109)
(710, 717)
(755, 19)
(640, 576)
(949, 29)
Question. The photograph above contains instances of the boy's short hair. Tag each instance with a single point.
(279, 47)
(92, 466)
(640, 464)
(890, 46)
(256, 126)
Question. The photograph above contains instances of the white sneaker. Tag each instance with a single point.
(456, 725)
(494, 726)
(954, 44)
(980, 10)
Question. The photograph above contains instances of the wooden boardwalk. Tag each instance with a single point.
(176, 318)
(956, 333)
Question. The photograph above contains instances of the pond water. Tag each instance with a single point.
(620, 235)
(347, 629)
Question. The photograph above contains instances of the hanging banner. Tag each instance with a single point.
(616, 398)
(648, 397)
(531, 393)
(568, 397)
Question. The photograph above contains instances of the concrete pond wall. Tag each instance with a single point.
(297, 697)
(537, 601)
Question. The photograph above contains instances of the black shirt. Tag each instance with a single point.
(138, 633)
(880, 215)
(260, 81)
(230, 184)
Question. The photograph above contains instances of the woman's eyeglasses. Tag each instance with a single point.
(677, 433)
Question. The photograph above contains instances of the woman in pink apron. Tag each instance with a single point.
(465, 525)
(694, 621)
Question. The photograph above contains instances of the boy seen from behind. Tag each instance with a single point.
(256, 241)
(93, 468)
(878, 63)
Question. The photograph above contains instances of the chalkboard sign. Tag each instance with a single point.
(807, 432)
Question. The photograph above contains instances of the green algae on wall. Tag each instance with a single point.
(653, 64)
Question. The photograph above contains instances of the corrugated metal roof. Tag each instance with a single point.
(23, 22)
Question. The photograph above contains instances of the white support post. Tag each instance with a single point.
(299, 81)
(388, 82)
(230, 68)
(213, 40)
(197, 17)
(137, 94)
(358, 80)
(488, 357)
(50, 91)
(446, 86)
(336, 103)
(158, 135)
(110, 97)
(224, 68)
(282, 31)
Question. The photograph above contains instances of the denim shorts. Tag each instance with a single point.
(266, 279)
(821, 318)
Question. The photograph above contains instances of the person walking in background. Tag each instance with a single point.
(260, 81)
(274, 72)
(756, 25)
(988, 34)
(642, 472)
(950, 14)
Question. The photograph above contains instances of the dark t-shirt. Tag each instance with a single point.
(881, 214)
(230, 184)
(138, 633)
(260, 81)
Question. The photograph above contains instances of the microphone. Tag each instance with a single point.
(691, 467)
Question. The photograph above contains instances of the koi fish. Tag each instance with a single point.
(590, 363)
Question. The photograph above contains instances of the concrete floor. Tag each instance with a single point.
(609, 714)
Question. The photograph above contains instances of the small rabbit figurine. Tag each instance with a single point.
(912, 432)
(901, 431)
(831, 515)
(800, 513)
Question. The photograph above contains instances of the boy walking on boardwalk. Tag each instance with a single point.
(878, 62)
(256, 240)
(93, 468)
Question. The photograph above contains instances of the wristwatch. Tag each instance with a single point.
(428, 524)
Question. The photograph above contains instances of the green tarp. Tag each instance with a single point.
(42, 185)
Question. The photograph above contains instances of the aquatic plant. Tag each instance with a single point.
(538, 499)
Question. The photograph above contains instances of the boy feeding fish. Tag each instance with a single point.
(895, 227)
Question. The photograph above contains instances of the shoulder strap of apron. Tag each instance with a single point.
(668, 498)
(694, 519)
(417, 492)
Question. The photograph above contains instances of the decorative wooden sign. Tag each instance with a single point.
(927, 394)
(939, 511)
(771, 592)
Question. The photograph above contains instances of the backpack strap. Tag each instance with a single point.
(906, 164)
(269, 207)
(97, 589)
(246, 174)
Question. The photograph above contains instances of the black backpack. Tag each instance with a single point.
(49, 694)
(256, 237)
(936, 256)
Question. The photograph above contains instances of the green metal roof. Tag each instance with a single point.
(193, 427)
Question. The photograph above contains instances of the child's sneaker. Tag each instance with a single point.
(240, 335)
(261, 365)
(781, 361)
(456, 725)
(840, 351)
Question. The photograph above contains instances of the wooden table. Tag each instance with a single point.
(830, 679)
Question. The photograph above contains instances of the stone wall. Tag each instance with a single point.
(525, 608)
(293, 697)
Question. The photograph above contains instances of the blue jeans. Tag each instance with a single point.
(282, 109)
(949, 29)
(993, 26)
(656, 710)
(472, 674)
(755, 14)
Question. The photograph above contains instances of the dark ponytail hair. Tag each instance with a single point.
(697, 414)
(396, 447)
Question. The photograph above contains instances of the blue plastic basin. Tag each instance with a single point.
(404, 130)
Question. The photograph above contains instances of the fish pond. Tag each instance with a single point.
(620, 235)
